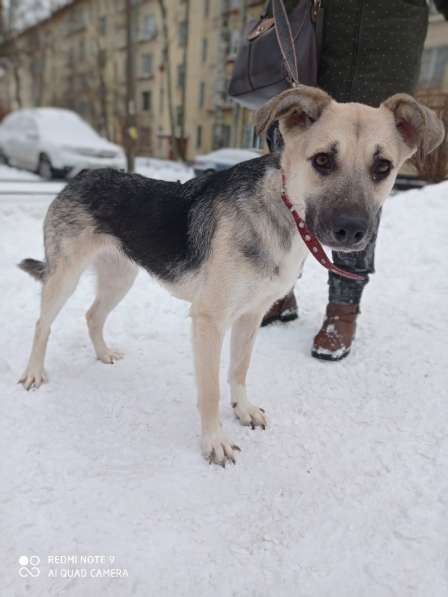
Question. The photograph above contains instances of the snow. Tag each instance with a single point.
(10, 174)
(20, 185)
(33, 187)
(15, 182)
(163, 169)
(29, 12)
(228, 156)
(345, 494)
(66, 128)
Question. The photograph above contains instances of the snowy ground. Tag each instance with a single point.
(344, 495)
(7, 173)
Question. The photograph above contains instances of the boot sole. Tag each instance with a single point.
(328, 357)
(280, 318)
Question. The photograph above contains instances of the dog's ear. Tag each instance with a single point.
(297, 107)
(419, 127)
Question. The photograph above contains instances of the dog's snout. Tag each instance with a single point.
(349, 230)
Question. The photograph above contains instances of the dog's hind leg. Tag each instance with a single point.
(242, 341)
(115, 276)
(58, 286)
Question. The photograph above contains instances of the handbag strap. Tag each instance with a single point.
(285, 37)
(285, 40)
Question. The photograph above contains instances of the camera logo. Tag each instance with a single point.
(29, 566)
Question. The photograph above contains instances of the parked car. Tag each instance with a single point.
(221, 159)
(55, 142)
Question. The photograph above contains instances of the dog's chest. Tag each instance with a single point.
(288, 266)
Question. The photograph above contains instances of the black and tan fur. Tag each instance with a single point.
(226, 242)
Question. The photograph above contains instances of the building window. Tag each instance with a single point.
(82, 107)
(182, 34)
(70, 58)
(221, 136)
(149, 27)
(179, 115)
(198, 137)
(102, 58)
(144, 140)
(225, 138)
(82, 49)
(102, 26)
(147, 65)
(201, 94)
(180, 75)
(146, 101)
(75, 19)
(161, 99)
(251, 139)
(434, 68)
(204, 49)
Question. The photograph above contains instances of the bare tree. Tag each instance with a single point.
(237, 109)
(22, 55)
(11, 57)
(38, 44)
(220, 89)
(101, 63)
(131, 129)
(167, 70)
(183, 140)
(2, 21)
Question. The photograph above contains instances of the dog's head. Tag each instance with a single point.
(341, 160)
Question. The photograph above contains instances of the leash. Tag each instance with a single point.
(314, 246)
(286, 43)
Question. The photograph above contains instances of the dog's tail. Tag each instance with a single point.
(34, 268)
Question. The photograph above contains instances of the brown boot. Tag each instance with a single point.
(334, 340)
(283, 310)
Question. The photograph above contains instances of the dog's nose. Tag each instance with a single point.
(349, 230)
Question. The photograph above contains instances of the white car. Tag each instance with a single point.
(221, 159)
(55, 142)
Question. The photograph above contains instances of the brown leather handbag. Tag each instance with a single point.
(275, 53)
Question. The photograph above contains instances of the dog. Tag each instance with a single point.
(226, 242)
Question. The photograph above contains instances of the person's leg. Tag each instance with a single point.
(334, 339)
(361, 60)
(285, 309)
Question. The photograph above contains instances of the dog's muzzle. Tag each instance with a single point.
(312, 242)
(346, 231)
(349, 231)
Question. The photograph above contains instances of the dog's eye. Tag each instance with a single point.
(323, 163)
(381, 170)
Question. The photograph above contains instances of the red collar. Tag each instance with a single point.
(314, 246)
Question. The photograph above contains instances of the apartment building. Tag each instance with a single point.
(76, 58)
(183, 52)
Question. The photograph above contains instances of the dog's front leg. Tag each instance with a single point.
(244, 331)
(207, 343)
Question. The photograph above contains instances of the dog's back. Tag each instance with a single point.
(165, 227)
(149, 219)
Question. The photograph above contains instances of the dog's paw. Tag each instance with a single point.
(250, 415)
(33, 378)
(109, 357)
(218, 449)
